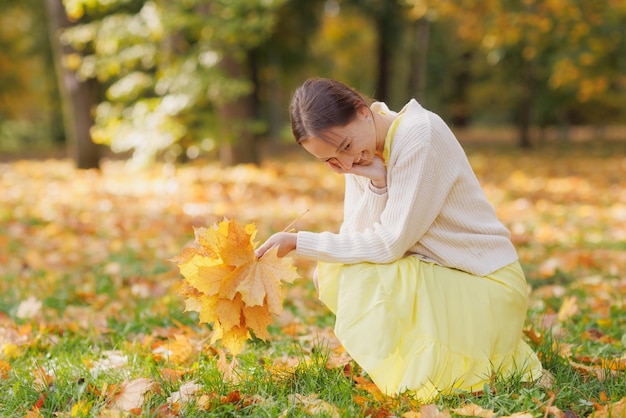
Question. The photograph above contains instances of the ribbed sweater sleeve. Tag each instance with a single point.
(362, 206)
(433, 207)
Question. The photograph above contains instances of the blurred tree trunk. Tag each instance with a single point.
(462, 82)
(236, 115)
(526, 103)
(389, 17)
(77, 97)
(383, 52)
(420, 31)
(386, 22)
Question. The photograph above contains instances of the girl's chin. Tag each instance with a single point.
(366, 160)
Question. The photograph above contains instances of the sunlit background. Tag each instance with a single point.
(179, 80)
(125, 124)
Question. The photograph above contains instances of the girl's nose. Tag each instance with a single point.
(345, 161)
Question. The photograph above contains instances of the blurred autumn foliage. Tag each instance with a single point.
(212, 78)
(91, 321)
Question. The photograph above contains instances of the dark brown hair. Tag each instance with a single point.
(320, 104)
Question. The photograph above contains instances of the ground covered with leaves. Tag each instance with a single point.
(92, 322)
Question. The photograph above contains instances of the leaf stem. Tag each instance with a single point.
(288, 227)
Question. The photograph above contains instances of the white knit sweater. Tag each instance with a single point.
(433, 207)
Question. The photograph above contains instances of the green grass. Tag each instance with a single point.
(107, 291)
(69, 355)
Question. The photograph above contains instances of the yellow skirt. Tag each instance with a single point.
(414, 325)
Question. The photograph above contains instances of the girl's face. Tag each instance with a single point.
(352, 144)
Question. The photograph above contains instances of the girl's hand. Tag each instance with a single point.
(285, 241)
(375, 171)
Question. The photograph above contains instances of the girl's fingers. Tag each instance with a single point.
(262, 250)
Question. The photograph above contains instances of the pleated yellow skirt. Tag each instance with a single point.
(414, 325)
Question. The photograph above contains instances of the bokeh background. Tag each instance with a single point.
(184, 79)
(125, 124)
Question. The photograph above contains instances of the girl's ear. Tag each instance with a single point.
(362, 109)
(360, 104)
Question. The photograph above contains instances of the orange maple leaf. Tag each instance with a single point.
(5, 368)
(176, 351)
(229, 286)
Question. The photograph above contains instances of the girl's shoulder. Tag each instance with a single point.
(414, 127)
(423, 132)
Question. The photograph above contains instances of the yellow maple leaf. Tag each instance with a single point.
(213, 277)
(235, 338)
(227, 241)
(207, 311)
(257, 319)
(190, 295)
(239, 247)
(229, 312)
(260, 280)
(229, 286)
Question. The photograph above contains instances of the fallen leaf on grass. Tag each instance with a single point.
(5, 368)
(337, 360)
(39, 403)
(29, 308)
(112, 359)
(431, 411)
(43, 379)
(310, 404)
(176, 351)
(132, 394)
(553, 411)
(228, 369)
(617, 409)
(81, 409)
(185, 394)
(170, 375)
(11, 339)
(599, 372)
(229, 286)
(193, 393)
(568, 309)
(369, 387)
(546, 380)
(473, 410)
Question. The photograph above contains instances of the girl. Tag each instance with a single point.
(425, 283)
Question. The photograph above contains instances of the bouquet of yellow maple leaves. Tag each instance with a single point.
(229, 286)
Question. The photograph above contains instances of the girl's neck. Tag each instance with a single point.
(382, 122)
